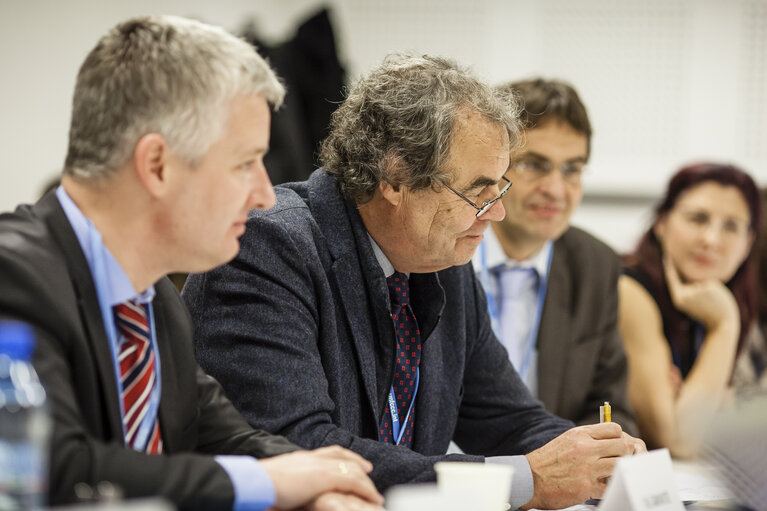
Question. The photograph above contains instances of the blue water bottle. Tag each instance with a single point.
(24, 422)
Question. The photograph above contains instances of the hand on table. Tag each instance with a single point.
(341, 502)
(574, 467)
(302, 478)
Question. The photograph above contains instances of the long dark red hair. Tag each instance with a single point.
(648, 258)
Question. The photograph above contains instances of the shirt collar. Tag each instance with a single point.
(118, 287)
(383, 261)
(494, 256)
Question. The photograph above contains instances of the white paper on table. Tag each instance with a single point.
(642, 482)
(699, 482)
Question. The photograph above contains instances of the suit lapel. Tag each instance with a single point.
(428, 302)
(88, 305)
(351, 253)
(345, 272)
(168, 412)
(553, 335)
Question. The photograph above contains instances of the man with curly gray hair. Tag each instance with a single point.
(351, 316)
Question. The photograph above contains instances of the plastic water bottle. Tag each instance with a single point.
(24, 422)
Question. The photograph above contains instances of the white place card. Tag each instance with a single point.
(643, 482)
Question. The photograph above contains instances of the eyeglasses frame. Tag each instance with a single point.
(530, 177)
(481, 210)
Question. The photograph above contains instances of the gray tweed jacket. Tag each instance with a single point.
(297, 330)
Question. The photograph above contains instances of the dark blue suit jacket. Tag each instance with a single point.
(297, 330)
(45, 281)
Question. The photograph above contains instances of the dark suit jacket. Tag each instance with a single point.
(46, 282)
(302, 315)
(581, 362)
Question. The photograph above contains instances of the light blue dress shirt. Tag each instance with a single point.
(515, 322)
(253, 489)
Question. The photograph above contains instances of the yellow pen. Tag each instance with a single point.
(605, 412)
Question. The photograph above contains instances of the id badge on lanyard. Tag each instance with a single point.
(399, 429)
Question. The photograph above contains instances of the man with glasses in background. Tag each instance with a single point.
(552, 288)
(352, 311)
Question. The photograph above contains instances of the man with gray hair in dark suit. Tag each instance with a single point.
(170, 123)
(351, 316)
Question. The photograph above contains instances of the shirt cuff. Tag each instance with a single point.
(253, 489)
(521, 481)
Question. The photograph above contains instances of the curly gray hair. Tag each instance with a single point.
(396, 124)
(160, 74)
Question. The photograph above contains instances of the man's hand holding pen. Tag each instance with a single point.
(574, 467)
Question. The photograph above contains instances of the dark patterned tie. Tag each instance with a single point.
(408, 356)
(137, 372)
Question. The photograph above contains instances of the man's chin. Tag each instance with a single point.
(223, 257)
(465, 249)
(550, 231)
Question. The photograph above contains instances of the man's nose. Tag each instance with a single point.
(553, 183)
(496, 213)
(262, 192)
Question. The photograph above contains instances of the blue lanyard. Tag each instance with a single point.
(495, 310)
(397, 429)
(525, 367)
(487, 284)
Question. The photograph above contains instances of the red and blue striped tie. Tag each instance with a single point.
(137, 372)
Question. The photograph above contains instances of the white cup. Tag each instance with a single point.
(489, 484)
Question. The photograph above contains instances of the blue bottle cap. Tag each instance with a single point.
(16, 340)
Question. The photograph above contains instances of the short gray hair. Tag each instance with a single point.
(396, 124)
(160, 74)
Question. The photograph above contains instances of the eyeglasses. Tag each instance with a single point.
(481, 210)
(533, 170)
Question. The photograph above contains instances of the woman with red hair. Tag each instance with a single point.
(688, 299)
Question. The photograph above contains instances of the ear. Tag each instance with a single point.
(151, 161)
(394, 168)
(391, 193)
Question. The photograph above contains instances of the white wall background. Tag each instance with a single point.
(666, 81)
